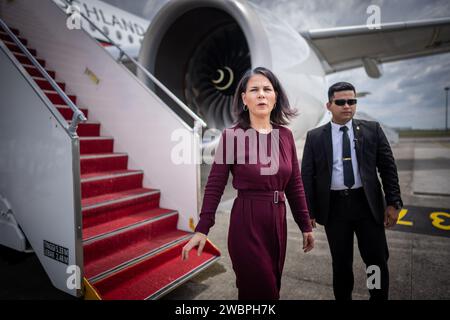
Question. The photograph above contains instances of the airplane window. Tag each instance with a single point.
(119, 35)
(106, 30)
(130, 38)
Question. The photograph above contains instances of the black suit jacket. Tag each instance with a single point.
(372, 151)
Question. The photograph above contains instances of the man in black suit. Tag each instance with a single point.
(339, 171)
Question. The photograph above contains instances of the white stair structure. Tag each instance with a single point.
(49, 182)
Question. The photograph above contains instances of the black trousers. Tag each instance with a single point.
(350, 214)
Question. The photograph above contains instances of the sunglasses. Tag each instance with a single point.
(342, 102)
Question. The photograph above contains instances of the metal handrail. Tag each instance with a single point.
(144, 70)
(78, 115)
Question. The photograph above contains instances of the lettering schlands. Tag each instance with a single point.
(113, 21)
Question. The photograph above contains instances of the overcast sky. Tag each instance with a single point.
(409, 94)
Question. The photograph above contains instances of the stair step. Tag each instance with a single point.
(120, 214)
(55, 98)
(88, 129)
(15, 31)
(108, 226)
(132, 253)
(25, 60)
(120, 258)
(113, 215)
(118, 204)
(14, 48)
(45, 85)
(103, 162)
(95, 184)
(34, 72)
(152, 277)
(112, 249)
(4, 36)
(67, 113)
(90, 145)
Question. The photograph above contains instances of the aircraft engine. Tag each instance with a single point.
(200, 49)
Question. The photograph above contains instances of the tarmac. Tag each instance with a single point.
(419, 245)
(419, 251)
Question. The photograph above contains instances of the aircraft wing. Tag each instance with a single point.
(356, 46)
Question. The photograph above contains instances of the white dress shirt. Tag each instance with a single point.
(337, 177)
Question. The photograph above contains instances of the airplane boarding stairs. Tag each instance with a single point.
(131, 245)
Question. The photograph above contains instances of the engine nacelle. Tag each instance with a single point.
(200, 49)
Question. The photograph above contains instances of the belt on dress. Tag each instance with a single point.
(275, 196)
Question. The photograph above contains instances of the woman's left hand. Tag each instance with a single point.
(308, 241)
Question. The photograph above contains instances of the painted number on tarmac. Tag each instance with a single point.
(432, 221)
(440, 220)
(401, 218)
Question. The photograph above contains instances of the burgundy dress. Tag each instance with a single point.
(257, 233)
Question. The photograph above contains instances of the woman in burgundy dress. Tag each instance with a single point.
(260, 153)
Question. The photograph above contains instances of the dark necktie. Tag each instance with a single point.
(349, 178)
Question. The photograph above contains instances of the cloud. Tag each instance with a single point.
(409, 94)
(305, 15)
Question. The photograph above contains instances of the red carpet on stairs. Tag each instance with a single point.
(103, 162)
(132, 247)
(88, 129)
(105, 254)
(67, 113)
(144, 279)
(106, 182)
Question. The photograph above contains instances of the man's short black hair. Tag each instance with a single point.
(339, 86)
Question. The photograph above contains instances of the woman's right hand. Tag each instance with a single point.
(199, 239)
